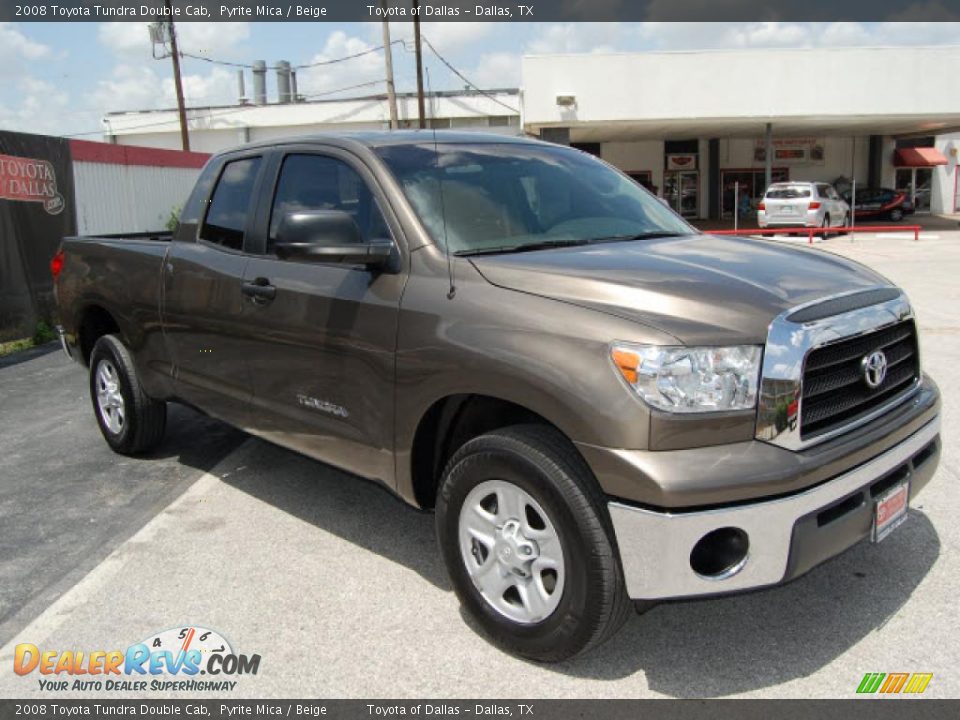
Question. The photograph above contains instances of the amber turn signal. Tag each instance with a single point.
(627, 363)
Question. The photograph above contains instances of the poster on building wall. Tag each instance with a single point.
(685, 161)
(792, 151)
(36, 212)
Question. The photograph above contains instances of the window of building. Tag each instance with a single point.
(227, 218)
(504, 120)
(438, 123)
(743, 188)
(317, 182)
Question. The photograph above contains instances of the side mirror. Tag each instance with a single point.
(328, 236)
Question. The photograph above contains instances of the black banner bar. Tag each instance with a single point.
(469, 11)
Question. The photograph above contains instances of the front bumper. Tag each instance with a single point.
(787, 535)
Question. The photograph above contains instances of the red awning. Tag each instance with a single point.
(918, 157)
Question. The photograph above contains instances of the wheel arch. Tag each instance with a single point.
(93, 322)
(446, 425)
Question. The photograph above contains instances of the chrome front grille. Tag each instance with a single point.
(812, 384)
(834, 391)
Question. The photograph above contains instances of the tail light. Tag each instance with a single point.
(56, 264)
(762, 206)
(814, 205)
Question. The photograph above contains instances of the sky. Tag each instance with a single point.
(61, 78)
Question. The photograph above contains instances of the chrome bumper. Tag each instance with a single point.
(655, 547)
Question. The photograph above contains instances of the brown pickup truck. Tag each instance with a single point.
(601, 403)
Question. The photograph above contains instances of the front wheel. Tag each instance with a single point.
(527, 541)
(130, 421)
(896, 215)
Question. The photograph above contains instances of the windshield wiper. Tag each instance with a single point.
(548, 244)
(651, 235)
(527, 247)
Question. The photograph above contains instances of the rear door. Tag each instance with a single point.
(322, 347)
(202, 295)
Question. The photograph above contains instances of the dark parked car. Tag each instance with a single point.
(880, 203)
(600, 402)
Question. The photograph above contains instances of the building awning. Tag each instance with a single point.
(918, 157)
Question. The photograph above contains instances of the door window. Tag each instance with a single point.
(317, 182)
(227, 217)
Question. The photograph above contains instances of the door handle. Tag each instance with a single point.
(260, 290)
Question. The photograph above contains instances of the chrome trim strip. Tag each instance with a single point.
(781, 376)
(655, 546)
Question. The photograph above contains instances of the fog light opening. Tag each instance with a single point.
(720, 554)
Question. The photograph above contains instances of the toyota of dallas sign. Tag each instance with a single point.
(30, 180)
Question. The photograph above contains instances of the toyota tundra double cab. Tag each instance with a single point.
(600, 403)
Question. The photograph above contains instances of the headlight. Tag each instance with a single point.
(691, 379)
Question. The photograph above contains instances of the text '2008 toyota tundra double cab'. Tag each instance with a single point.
(600, 402)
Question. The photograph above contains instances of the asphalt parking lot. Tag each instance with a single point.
(340, 589)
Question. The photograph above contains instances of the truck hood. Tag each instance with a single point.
(702, 289)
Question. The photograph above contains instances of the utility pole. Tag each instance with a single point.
(388, 59)
(419, 52)
(184, 135)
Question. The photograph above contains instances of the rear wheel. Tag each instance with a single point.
(845, 224)
(896, 214)
(130, 421)
(527, 541)
(825, 228)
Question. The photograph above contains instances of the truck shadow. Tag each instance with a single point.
(360, 511)
(703, 648)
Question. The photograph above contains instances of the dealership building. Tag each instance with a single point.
(701, 127)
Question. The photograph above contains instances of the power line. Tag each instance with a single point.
(461, 76)
(319, 63)
(228, 111)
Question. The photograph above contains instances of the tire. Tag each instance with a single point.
(825, 227)
(588, 602)
(896, 214)
(845, 223)
(130, 421)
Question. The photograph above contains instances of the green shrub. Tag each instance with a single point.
(43, 334)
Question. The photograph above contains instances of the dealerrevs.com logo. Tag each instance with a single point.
(172, 660)
(29, 180)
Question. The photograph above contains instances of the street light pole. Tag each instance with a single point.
(419, 52)
(388, 59)
(181, 110)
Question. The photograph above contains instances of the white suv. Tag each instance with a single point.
(802, 204)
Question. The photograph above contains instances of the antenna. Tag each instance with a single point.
(451, 293)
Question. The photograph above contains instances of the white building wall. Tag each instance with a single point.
(128, 198)
(644, 155)
(739, 84)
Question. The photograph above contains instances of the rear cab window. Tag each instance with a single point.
(230, 205)
(788, 192)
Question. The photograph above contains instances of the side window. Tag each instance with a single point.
(317, 182)
(227, 217)
(193, 209)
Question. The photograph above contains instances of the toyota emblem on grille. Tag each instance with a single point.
(874, 367)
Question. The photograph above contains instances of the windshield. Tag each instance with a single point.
(491, 197)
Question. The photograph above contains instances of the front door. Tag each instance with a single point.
(322, 359)
(681, 189)
(203, 309)
(917, 184)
